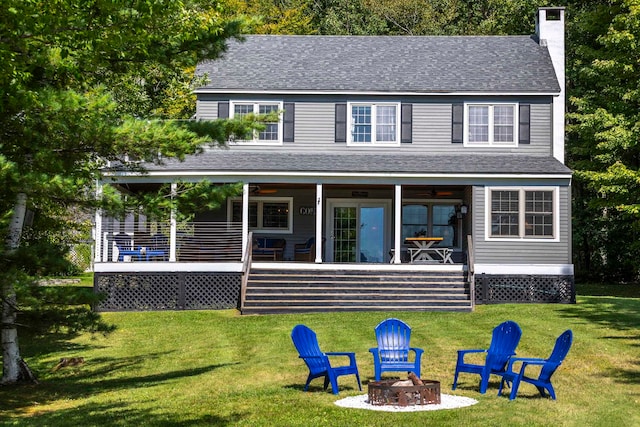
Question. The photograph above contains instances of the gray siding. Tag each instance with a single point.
(315, 122)
(520, 252)
(206, 108)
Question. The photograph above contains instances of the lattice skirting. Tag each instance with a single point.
(167, 291)
(492, 289)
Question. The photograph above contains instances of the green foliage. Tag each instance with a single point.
(84, 87)
(59, 309)
(604, 131)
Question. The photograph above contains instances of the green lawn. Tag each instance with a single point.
(219, 368)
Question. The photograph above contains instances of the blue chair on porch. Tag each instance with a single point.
(124, 243)
(306, 342)
(159, 247)
(504, 341)
(393, 351)
(548, 367)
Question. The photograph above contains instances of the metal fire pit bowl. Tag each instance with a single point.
(384, 393)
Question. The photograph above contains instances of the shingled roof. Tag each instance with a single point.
(221, 160)
(387, 64)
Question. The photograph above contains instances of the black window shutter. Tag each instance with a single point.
(223, 110)
(406, 118)
(288, 122)
(524, 126)
(341, 123)
(457, 122)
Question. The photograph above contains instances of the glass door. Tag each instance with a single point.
(371, 234)
(345, 226)
(358, 231)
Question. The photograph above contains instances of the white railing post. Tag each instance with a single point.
(319, 243)
(173, 230)
(97, 231)
(397, 225)
(245, 219)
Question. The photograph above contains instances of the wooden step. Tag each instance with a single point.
(295, 291)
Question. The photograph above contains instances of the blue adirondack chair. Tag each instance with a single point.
(392, 353)
(549, 366)
(306, 342)
(504, 341)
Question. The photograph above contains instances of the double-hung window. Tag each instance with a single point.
(491, 124)
(272, 132)
(374, 123)
(523, 213)
(266, 214)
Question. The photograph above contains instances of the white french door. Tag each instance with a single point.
(358, 231)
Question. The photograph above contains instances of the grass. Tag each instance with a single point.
(217, 368)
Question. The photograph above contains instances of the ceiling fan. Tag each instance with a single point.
(434, 193)
(256, 189)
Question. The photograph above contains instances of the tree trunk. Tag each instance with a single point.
(14, 368)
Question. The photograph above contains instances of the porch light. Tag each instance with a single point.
(461, 211)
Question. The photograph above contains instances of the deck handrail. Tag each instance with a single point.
(471, 271)
(151, 241)
(246, 266)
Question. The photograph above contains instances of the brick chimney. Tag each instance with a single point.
(550, 34)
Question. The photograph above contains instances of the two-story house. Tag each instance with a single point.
(408, 173)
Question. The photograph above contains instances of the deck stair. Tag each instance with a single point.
(306, 291)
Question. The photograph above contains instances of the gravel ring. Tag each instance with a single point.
(448, 401)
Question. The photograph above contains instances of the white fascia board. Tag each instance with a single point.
(365, 93)
(167, 267)
(294, 174)
(519, 269)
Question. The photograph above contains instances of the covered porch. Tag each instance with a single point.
(280, 222)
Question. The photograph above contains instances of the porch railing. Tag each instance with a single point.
(471, 272)
(246, 266)
(193, 242)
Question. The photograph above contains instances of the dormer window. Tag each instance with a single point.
(373, 123)
(272, 133)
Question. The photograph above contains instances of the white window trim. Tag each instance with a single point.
(374, 106)
(260, 201)
(521, 212)
(256, 109)
(491, 142)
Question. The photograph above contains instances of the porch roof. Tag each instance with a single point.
(248, 162)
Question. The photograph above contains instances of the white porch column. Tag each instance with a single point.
(397, 225)
(319, 219)
(97, 231)
(173, 224)
(245, 219)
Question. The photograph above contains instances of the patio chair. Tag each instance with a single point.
(548, 367)
(504, 341)
(392, 353)
(306, 342)
(159, 247)
(124, 243)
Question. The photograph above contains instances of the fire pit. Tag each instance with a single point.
(386, 393)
